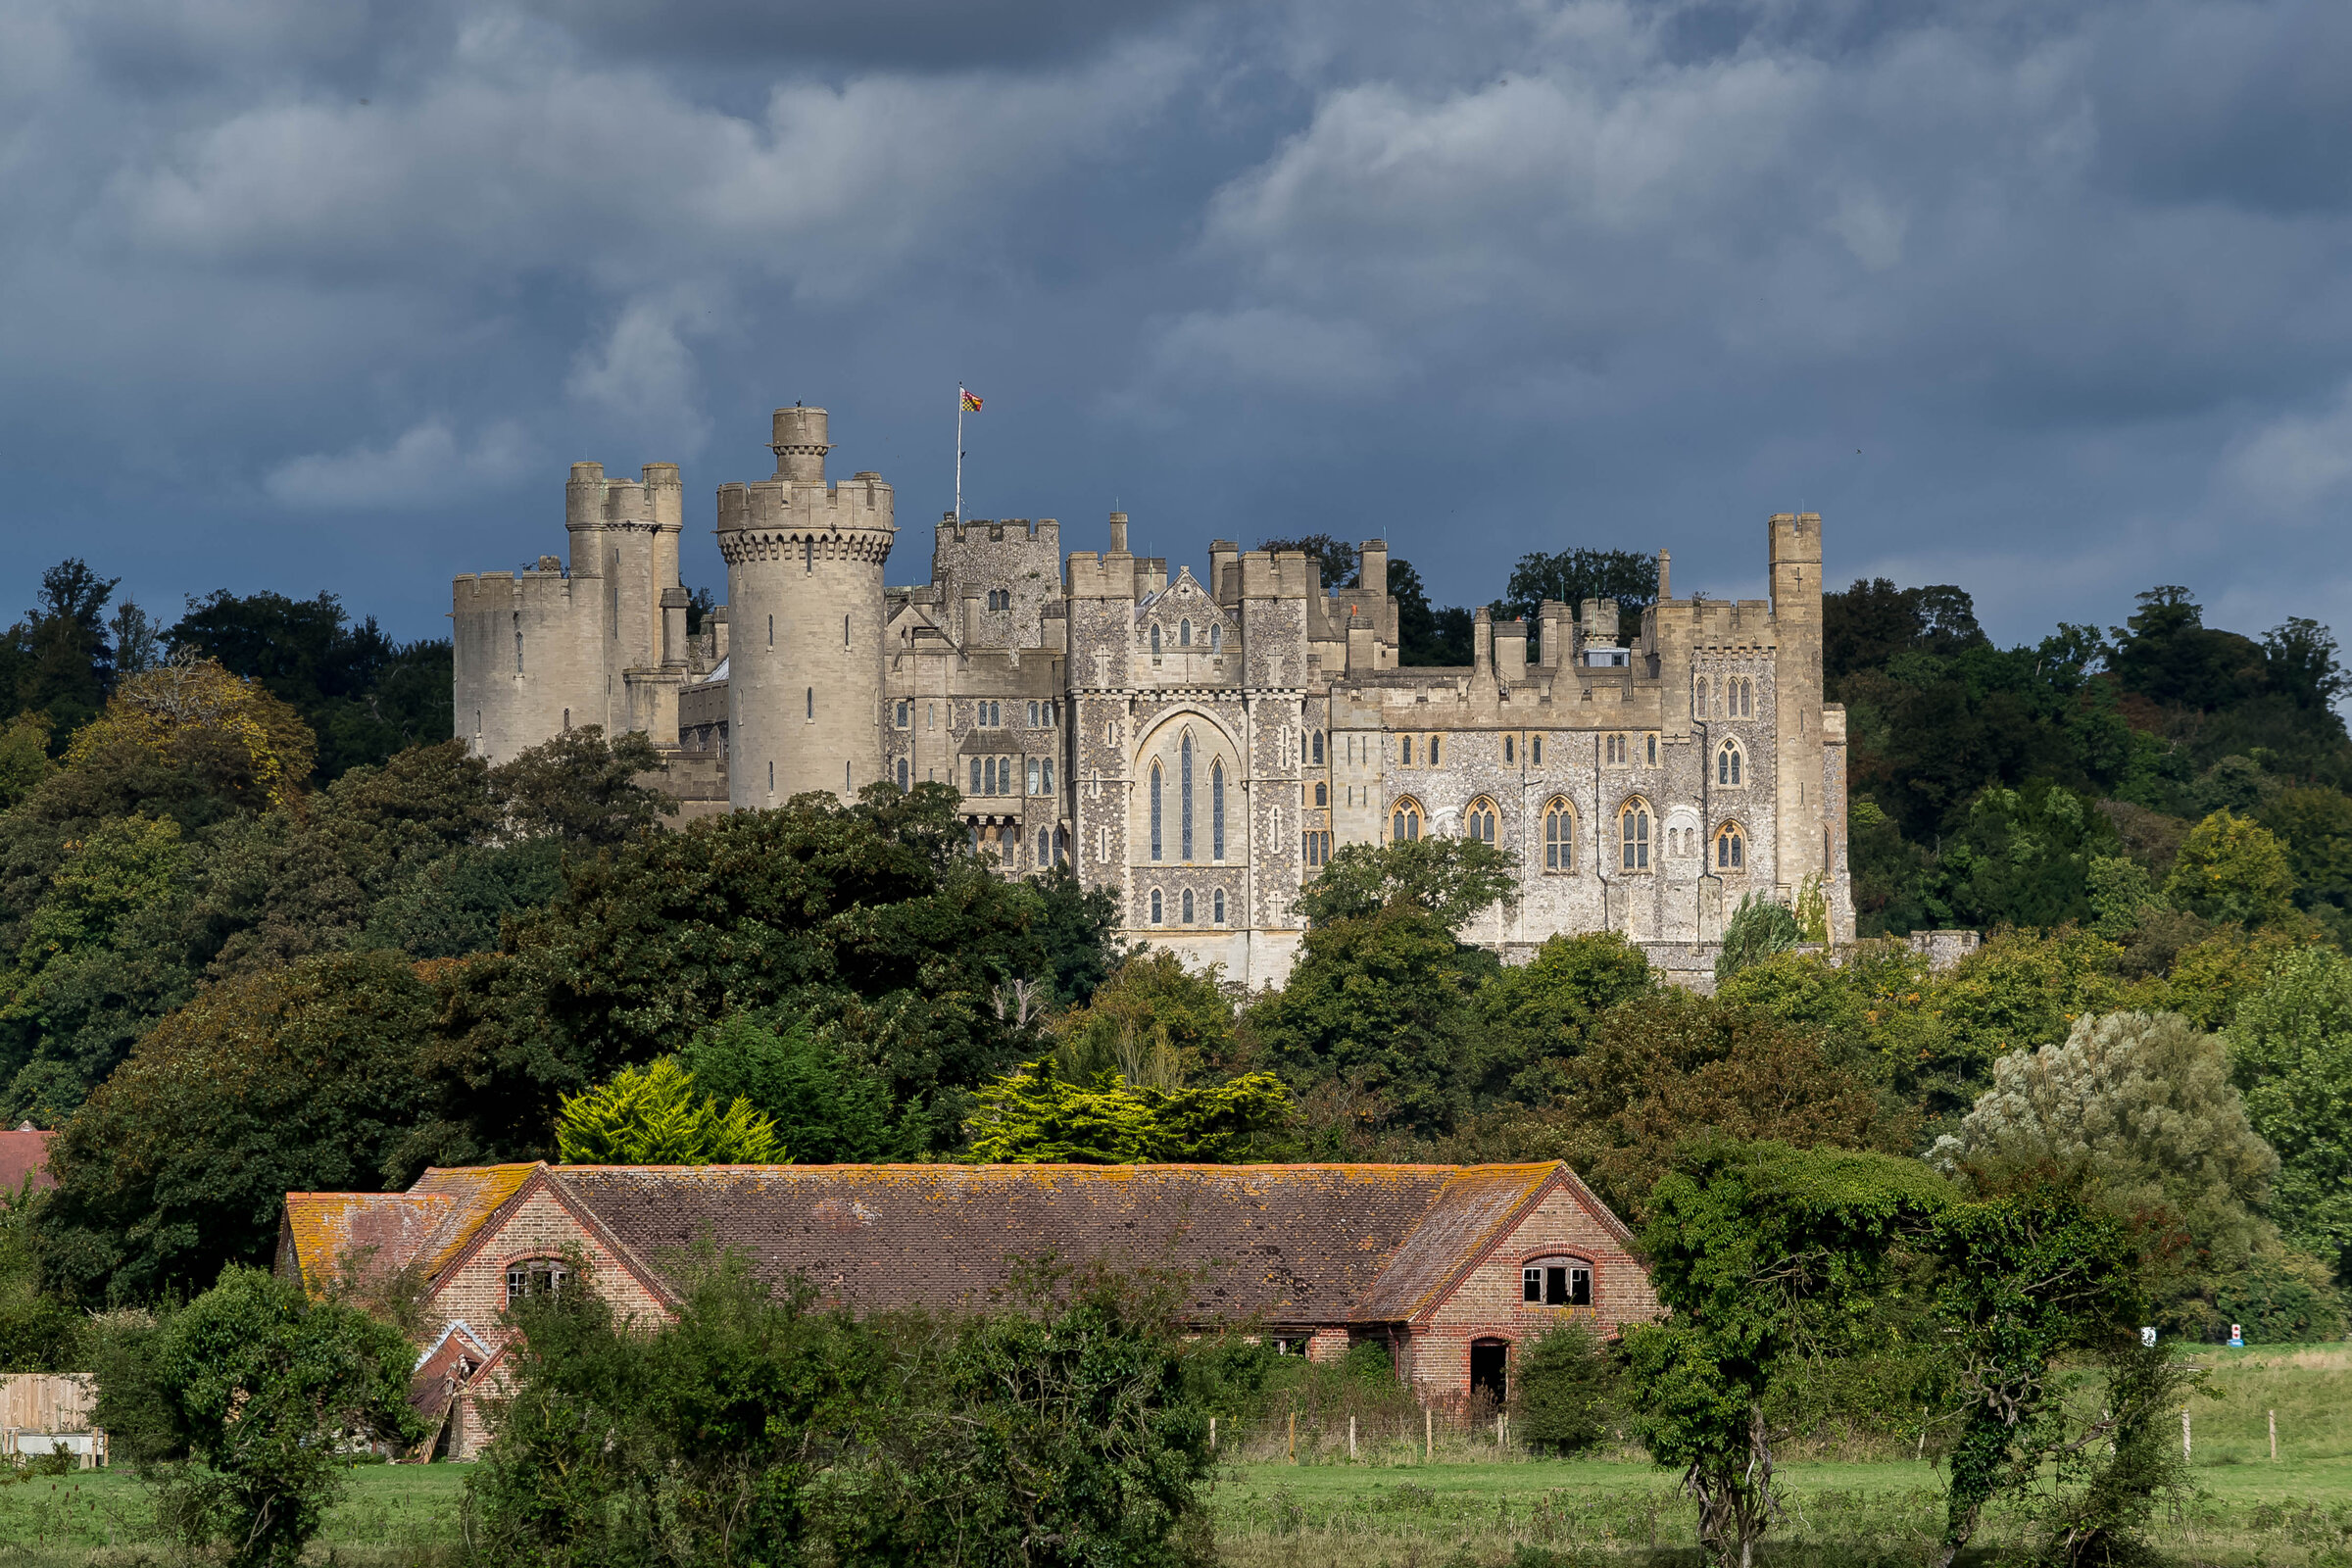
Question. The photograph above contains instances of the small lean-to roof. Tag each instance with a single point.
(1279, 1244)
(24, 1154)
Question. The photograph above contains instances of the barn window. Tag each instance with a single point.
(535, 1276)
(1556, 1282)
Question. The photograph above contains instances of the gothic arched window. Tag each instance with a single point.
(1184, 798)
(1699, 697)
(1156, 905)
(1633, 827)
(1730, 848)
(1188, 906)
(1404, 822)
(1155, 820)
(901, 772)
(1183, 634)
(1479, 821)
(1216, 809)
(1216, 907)
(1318, 747)
(1155, 639)
(1216, 638)
(1728, 764)
(1559, 835)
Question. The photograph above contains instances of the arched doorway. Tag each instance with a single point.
(1490, 1363)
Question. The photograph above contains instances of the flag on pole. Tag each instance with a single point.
(971, 402)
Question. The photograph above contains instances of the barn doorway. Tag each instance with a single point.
(1489, 1359)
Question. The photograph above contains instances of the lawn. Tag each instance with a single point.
(1474, 1505)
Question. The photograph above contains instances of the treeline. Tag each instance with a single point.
(362, 695)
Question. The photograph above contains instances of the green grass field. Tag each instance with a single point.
(1473, 1506)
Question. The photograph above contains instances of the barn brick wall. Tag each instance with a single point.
(1486, 1305)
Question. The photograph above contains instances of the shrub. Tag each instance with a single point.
(1565, 1390)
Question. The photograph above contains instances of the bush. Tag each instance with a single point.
(1758, 930)
(1565, 1391)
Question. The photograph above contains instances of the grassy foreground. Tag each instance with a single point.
(1475, 1506)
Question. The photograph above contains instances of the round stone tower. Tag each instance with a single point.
(804, 622)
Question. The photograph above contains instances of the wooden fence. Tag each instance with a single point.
(45, 1401)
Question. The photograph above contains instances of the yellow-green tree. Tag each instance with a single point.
(653, 1115)
(2232, 868)
(198, 705)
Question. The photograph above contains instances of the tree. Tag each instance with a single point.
(1381, 1004)
(2300, 657)
(2143, 1103)
(1764, 1258)
(263, 1382)
(1156, 1021)
(2027, 1277)
(24, 757)
(824, 1108)
(1454, 879)
(1671, 1070)
(2231, 869)
(300, 1080)
(1537, 1014)
(66, 667)
(1873, 620)
(1426, 636)
(1757, 929)
(1565, 1391)
(1036, 1115)
(2290, 1052)
(873, 919)
(199, 708)
(582, 788)
(652, 1115)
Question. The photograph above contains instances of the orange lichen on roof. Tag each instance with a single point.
(377, 1230)
(474, 1193)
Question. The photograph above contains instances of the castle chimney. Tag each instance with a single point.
(1374, 569)
(800, 445)
(1118, 533)
(1665, 565)
(1482, 640)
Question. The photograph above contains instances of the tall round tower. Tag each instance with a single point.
(804, 622)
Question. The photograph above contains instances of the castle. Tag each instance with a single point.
(1199, 746)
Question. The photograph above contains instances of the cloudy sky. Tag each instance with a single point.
(2048, 301)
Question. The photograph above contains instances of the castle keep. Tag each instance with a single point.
(1199, 745)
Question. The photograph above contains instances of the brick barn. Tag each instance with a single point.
(1448, 1265)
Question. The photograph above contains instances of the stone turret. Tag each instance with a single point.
(1795, 549)
(804, 606)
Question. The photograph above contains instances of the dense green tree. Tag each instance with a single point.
(2290, 1051)
(1537, 1014)
(304, 1079)
(56, 660)
(261, 1382)
(1426, 635)
(1766, 1259)
(2027, 1277)
(1873, 620)
(827, 1108)
(1669, 1071)
(582, 787)
(2166, 653)
(873, 919)
(1454, 879)
(1156, 1021)
(1382, 1005)
(657, 1114)
(2314, 824)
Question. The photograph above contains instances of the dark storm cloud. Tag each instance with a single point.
(2051, 300)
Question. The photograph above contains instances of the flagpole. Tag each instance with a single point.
(960, 454)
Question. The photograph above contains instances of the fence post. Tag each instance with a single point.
(1212, 1434)
(1351, 1439)
(2274, 1437)
(2185, 1447)
(1293, 1436)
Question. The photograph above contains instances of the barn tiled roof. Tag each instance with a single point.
(24, 1152)
(1281, 1244)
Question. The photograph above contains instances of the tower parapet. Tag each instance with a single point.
(805, 610)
